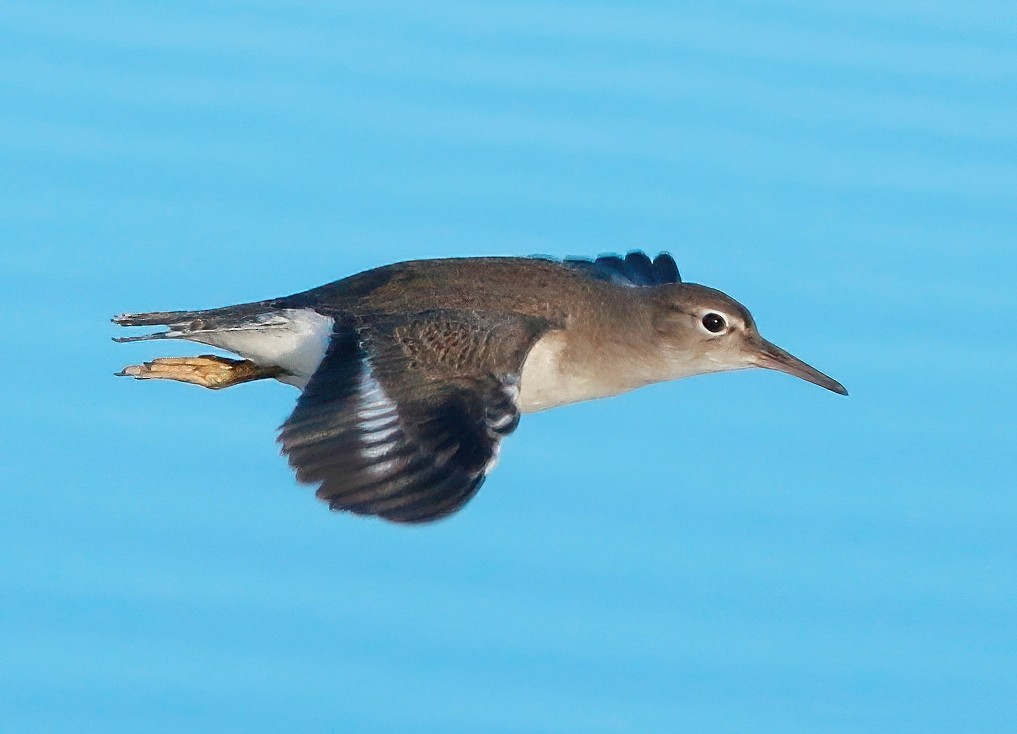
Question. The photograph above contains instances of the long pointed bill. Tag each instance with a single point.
(772, 357)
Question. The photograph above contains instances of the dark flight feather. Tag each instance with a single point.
(382, 433)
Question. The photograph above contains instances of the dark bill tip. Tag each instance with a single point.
(772, 357)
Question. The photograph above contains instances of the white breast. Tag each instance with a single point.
(548, 381)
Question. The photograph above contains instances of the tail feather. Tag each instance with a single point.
(178, 321)
(147, 337)
(243, 315)
(273, 335)
(156, 318)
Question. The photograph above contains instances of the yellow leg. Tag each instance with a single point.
(208, 370)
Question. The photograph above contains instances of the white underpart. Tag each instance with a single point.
(541, 382)
(548, 381)
(294, 339)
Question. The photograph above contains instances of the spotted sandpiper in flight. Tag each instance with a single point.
(411, 374)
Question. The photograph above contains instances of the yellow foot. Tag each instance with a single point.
(208, 370)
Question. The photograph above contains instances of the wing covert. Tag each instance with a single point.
(404, 417)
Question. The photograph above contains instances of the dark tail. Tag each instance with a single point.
(156, 318)
(181, 323)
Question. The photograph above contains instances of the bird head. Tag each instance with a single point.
(703, 330)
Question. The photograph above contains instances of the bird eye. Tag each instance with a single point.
(714, 323)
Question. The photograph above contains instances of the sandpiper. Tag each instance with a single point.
(411, 374)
